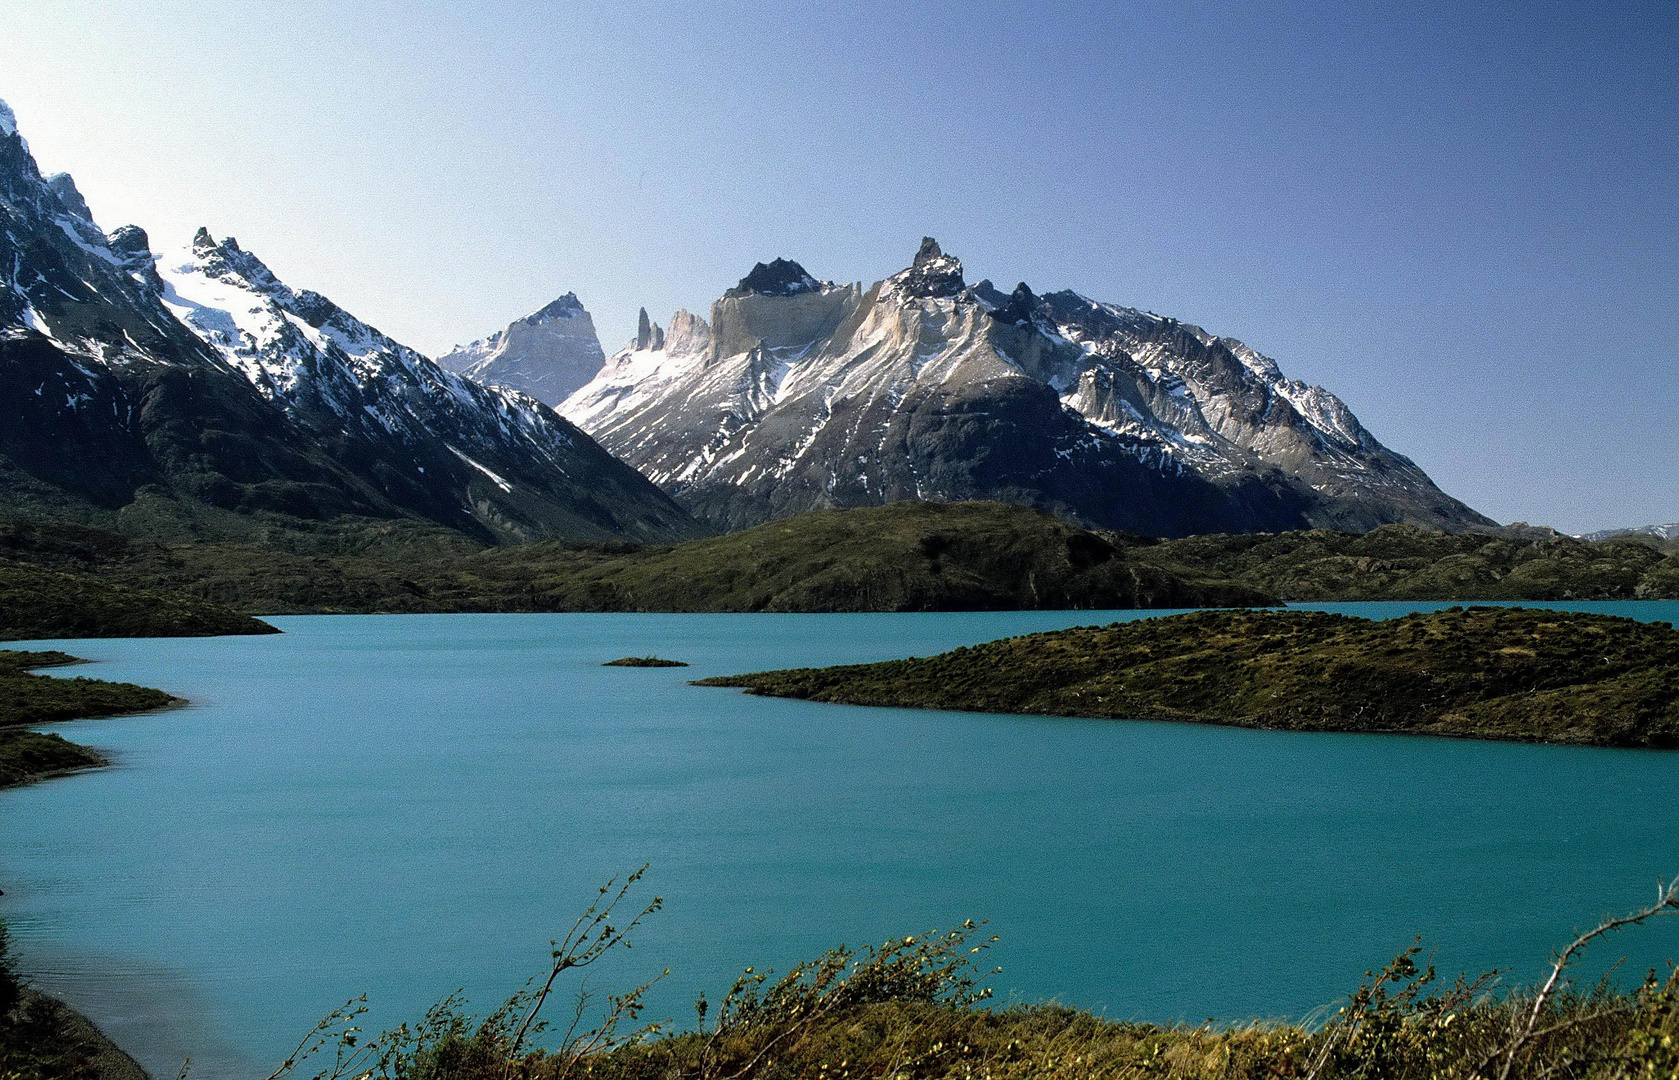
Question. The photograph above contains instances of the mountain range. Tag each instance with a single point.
(199, 387)
(1670, 531)
(800, 394)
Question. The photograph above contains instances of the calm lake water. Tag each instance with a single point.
(404, 805)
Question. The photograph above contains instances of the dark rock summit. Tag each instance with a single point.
(783, 277)
(932, 275)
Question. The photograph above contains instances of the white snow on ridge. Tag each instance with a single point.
(499, 482)
(8, 121)
(243, 327)
(366, 381)
(1167, 393)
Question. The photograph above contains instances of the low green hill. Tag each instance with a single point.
(1400, 562)
(1495, 673)
(905, 556)
(908, 556)
(37, 604)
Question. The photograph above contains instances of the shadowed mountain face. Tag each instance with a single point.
(547, 354)
(801, 394)
(202, 384)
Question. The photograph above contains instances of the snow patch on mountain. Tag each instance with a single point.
(315, 359)
(1668, 531)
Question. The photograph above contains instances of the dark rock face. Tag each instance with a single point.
(565, 307)
(215, 386)
(921, 387)
(783, 277)
(1018, 309)
(933, 274)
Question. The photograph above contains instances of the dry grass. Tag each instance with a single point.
(913, 1009)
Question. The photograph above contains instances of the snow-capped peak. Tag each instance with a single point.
(547, 354)
(8, 121)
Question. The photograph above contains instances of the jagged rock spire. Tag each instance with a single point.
(648, 334)
(932, 275)
(1018, 310)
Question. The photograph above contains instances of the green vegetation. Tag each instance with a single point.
(1492, 673)
(906, 556)
(36, 604)
(1399, 562)
(38, 699)
(32, 755)
(643, 661)
(42, 699)
(914, 1008)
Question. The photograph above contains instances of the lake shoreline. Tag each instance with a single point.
(29, 757)
(601, 638)
(1497, 673)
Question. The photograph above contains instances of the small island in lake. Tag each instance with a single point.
(1490, 673)
(643, 661)
(27, 699)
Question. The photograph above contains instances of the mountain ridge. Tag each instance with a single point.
(921, 386)
(201, 385)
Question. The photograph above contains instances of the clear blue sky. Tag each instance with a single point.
(1464, 219)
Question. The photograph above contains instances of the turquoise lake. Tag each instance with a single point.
(406, 805)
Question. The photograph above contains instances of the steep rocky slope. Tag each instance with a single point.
(548, 354)
(799, 394)
(213, 388)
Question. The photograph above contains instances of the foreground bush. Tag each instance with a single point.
(912, 1008)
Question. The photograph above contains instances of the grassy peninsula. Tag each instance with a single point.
(37, 604)
(27, 699)
(1491, 673)
(41, 1038)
